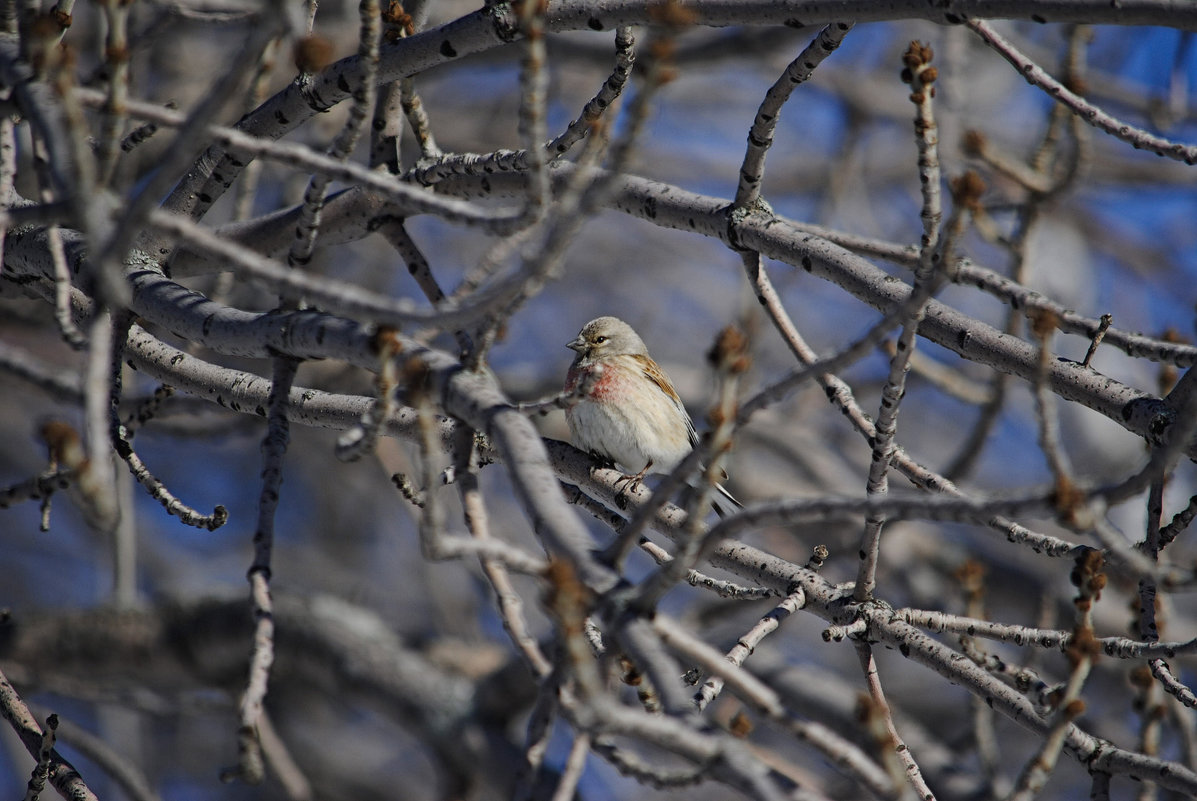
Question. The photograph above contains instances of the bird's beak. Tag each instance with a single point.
(577, 345)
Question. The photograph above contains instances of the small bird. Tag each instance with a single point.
(631, 414)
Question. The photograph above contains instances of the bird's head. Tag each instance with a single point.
(607, 336)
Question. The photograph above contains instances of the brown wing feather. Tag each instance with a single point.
(654, 374)
(657, 376)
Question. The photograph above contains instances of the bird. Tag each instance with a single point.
(625, 410)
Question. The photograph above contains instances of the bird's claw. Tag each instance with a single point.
(625, 484)
(628, 482)
(631, 483)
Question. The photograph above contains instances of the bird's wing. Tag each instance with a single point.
(656, 375)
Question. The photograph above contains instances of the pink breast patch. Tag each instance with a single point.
(603, 389)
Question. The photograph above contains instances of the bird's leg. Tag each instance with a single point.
(631, 481)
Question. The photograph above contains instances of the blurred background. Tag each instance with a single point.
(1120, 238)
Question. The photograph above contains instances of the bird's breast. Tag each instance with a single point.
(603, 389)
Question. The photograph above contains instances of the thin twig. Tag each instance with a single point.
(1082, 652)
(1098, 336)
(724, 589)
(478, 522)
(129, 776)
(895, 753)
(247, 186)
(760, 136)
(250, 767)
(575, 763)
(517, 160)
(747, 644)
(116, 49)
(1045, 408)
(729, 356)
(364, 95)
(45, 753)
(411, 198)
(288, 771)
(121, 435)
(363, 437)
(1037, 76)
(921, 76)
(61, 774)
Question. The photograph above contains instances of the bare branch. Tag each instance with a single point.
(1036, 76)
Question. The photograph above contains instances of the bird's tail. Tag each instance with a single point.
(723, 502)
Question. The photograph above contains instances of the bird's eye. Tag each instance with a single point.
(599, 340)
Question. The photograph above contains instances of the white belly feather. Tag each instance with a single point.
(605, 429)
